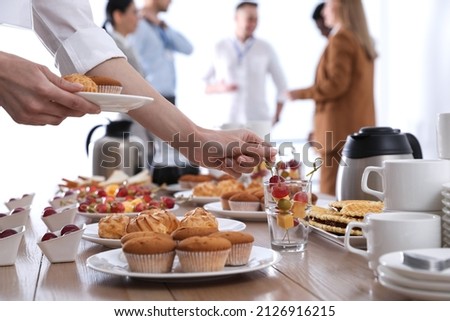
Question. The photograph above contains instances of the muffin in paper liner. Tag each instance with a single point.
(244, 206)
(150, 263)
(109, 89)
(240, 253)
(202, 261)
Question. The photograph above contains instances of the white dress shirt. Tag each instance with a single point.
(247, 66)
(68, 31)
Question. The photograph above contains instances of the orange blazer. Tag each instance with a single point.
(343, 91)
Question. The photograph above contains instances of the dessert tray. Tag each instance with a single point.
(131, 214)
(201, 200)
(116, 102)
(114, 262)
(216, 209)
(355, 241)
(91, 232)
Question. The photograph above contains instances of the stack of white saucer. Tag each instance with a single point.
(416, 283)
(446, 215)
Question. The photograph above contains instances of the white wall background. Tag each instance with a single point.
(412, 79)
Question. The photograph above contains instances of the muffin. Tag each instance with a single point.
(244, 202)
(225, 198)
(191, 180)
(199, 217)
(241, 246)
(184, 232)
(228, 186)
(150, 254)
(132, 235)
(205, 189)
(113, 226)
(88, 84)
(203, 253)
(107, 85)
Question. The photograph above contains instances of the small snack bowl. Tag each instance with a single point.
(16, 217)
(62, 248)
(69, 198)
(56, 219)
(9, 244)
(25, 201)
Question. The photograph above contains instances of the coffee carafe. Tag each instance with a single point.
(370, 147)
(116, 150)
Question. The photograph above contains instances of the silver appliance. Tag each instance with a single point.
(370, 147)
(116, 150)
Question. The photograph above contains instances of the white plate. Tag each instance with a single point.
(355, 241)
(116, 102)
(394, 261)
(98, 216)
(201, 200)
(414, 293)
(216, 209)
(114, 262)
(91, 232)
(175, 188)
(397, 279)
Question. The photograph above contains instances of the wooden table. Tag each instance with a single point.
(325, 271)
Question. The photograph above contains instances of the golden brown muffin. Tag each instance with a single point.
(184, 232)
(241, 246)
(165, 217)
(150, 254)
(88, 84)
(199, 217)
(107, 85)
(132, 235)
(113, 226)
(244, 202)
(229, 185)
(203, 253)
(225, 197)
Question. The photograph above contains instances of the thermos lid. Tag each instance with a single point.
(375, 141)
(118, 128)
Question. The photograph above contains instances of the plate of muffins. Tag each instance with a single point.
(246, 215)
(106, 93)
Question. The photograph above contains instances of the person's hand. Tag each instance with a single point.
(233, 151)
(226, 87)
(31, 94)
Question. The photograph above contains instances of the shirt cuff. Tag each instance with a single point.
(84, 50)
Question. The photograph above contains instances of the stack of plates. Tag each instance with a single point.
(446, 216)
(419, 284)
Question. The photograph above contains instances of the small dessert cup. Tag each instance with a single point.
(68, 200)
(25, 202)
(16, 217)
(9, 246)
(61, 218)
(63, 248)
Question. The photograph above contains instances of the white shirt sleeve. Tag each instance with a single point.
(68, 31)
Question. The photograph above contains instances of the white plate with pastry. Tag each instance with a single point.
(116, 102)
(98, 216)
(216, 209)
(91, 232)
(114, 262)
(187, 196)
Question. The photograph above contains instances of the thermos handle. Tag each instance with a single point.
(89, 136)
(415, 145)
(365, 177)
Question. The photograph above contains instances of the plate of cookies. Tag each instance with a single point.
(330, 222)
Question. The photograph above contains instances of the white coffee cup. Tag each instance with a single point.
(409, 184)
(395, 231)
(443, 135)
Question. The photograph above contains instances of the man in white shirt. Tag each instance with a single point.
(31, 94)
(239, 71)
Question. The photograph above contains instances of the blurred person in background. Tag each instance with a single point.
(239, 69)
(156, 43)
(343, 90)
(31, 94)
(320, 21)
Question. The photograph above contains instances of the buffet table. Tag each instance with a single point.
(326, 271)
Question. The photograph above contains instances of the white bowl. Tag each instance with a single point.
(24, 201)
(68, 200)
(15, 220)
(63, 248)
(10, 245)
(61, 218)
